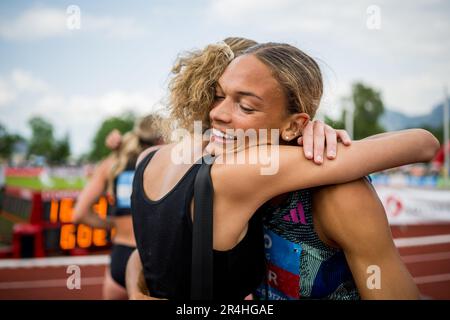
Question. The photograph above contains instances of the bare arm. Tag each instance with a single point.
(134, 279)
(296, 172)
(351, 216)
(361, 158)
(89, 196)
(381, 135)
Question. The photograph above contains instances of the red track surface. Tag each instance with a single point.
(50, 283)
(428, 264)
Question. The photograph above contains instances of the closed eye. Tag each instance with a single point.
(246, 110)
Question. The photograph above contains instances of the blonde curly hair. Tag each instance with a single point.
(194, 77)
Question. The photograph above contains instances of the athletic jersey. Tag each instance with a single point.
(163, 230)
(299, 264)
(123, 184)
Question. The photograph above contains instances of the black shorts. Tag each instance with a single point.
(119, 258)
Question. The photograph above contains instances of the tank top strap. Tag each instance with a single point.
(207, 160)
(139, 172)
(144, 162)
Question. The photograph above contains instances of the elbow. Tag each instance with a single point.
(431, 145)
(77, 218)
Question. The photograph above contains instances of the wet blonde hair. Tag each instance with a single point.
(146, 133)
(298, 74)
(194, 78)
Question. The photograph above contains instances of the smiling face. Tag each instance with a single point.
(249, 97)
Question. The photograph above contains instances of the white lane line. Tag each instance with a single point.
(54, 262)
(426, 257)
(52, 283)
(431, 279)
(104, 259)
(421, 241)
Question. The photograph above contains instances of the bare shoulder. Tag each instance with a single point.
(146, 152)
(236, 179)
(240, 174)
(350, 212)
(345, 193)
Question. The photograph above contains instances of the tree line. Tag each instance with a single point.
(43, 143)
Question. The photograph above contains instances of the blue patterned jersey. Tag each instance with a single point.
(299, 264)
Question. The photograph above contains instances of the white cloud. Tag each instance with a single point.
(283, 16)
(412, 27)
(408, 51)
(82, 114)
(229, 10)
(17, 83)
(40, 23)
(35, 24)
(22, 95)
(25, 81)
(6, 93)
(422, 89)
(121, 28)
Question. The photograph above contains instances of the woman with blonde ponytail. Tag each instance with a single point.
(115, 175)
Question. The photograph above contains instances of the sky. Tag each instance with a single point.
(78, 62)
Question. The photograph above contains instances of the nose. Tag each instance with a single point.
(221, 112)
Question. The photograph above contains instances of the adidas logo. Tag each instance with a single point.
(296, 215)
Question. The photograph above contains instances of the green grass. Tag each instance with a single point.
(52, 184)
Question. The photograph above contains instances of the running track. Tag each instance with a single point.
(424, 249)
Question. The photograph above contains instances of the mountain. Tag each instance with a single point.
(393, 120)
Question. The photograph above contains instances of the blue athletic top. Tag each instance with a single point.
(299, 264)
(123, 184)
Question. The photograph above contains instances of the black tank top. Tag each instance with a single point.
(123, 184)
(163, 231)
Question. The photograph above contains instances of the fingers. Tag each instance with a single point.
(308, 140)
(331, 138)
(319, 141)
(344, 137)
(315, 135)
